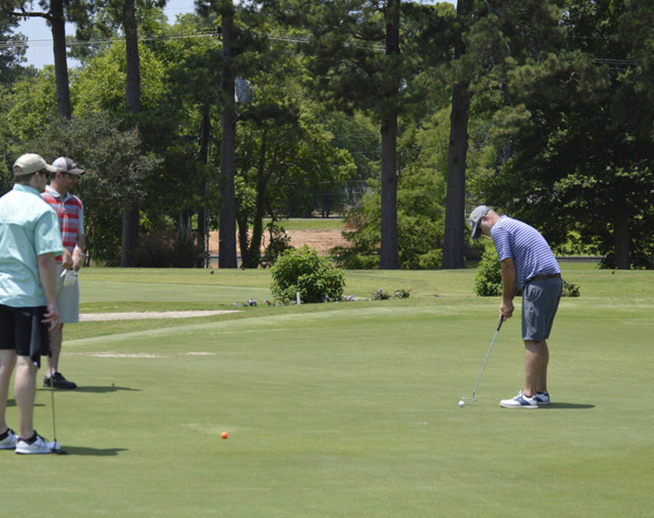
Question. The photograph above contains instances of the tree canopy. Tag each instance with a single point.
(347, 106)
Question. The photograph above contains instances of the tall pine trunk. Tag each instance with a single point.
(388, 253)
(58, 27)
(453, 240)
(453, 243)
(388, 257)
(227, 234)
(131, 216)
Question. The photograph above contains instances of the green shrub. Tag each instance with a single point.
(488, 281)
(301, 270)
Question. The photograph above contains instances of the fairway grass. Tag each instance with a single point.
(343, 409)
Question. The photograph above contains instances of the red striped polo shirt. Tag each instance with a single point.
(71, 215)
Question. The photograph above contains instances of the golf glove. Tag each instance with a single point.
(70, 278)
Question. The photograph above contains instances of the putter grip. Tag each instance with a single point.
(500, 324)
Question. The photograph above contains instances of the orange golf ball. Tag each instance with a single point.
(224, 435)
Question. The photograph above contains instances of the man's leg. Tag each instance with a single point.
(7, 364)
(52, 374)
(56, 340)
(25, 392)
(537, 357)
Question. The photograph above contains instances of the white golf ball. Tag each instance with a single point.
(461, 403)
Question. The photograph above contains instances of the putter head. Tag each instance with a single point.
(57, 449)
(471, 399)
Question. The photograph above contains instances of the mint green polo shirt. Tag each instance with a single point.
(29, 227)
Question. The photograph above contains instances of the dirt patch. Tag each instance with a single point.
(322, 240)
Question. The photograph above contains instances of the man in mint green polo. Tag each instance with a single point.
(29, 242)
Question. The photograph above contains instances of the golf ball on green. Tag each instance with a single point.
(461, 403)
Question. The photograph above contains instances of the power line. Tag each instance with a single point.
(72, 42)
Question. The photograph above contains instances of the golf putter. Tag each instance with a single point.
(57, 448)
(474, 390)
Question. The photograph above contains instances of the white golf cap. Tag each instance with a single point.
(31, 163)
(475, 219)
(63, 164)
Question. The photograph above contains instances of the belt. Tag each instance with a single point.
(544, 276)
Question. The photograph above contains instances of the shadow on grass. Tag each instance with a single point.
(566, 406)
(93, 452)
(101, 390)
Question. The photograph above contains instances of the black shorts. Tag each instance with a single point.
(21, 329)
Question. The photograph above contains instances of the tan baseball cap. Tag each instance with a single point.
(31, 163)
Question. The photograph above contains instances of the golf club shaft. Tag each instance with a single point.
(52, 400)
(487, 355)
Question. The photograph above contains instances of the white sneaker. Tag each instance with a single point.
(40, 445)
(9, 442)
(520, 401)
(542, 399)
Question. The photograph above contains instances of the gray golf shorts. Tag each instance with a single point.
(540, 300)
(67, 300)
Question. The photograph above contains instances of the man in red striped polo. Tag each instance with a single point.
(70, 210)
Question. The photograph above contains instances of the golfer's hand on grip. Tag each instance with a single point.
(506, 310)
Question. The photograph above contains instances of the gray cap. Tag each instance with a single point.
(475, 219)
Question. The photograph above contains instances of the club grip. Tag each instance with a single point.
(500, 324)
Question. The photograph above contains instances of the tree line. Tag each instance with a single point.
(239, 115)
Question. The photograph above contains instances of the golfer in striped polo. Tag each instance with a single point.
(528, 265)
(59, 195)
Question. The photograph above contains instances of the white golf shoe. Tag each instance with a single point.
(38, 446)
(8, 442)
(520, 401)
(542, 398)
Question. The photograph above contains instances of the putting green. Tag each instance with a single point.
(350, 410)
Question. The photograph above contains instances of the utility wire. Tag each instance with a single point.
(72, 42)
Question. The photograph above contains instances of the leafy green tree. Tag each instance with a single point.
(284, 156)
(32, 106)
(186, 119)
(115, 164)
(285, 149)
(421, 196)
(363, 59)
(494, 39)
(126, 13)
(11, 53)
(580, 132)
(56, 13)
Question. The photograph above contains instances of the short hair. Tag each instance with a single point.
(24, 179)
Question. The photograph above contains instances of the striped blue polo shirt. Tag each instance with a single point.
(526, 246)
